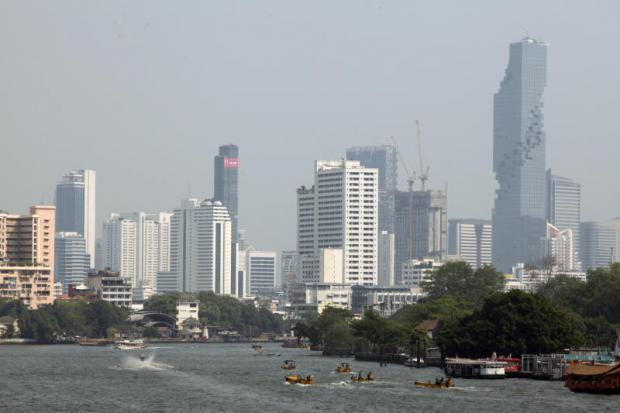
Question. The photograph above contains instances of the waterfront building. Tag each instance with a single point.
(76, 207)
(32, 284)
(112, 287)
(416, 272)
(471, 240)
(564, 208)
(72, 261)
(530, 280)
(424, 218)
(27, 255)
(519, 217)
(340, 211)
(200, 247)
(187, 308)
(312, 298)
(261, 268)
(386, 256)
(600, 243)
(289, 261)
(385, 300)
(558, 247)
(226, 184)
(385, 159)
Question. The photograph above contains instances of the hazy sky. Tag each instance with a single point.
(145, 91)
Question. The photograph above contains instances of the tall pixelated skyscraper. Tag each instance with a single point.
(225, 185)
(519, 217)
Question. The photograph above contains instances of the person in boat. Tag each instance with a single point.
(359, 376)
(369, 376)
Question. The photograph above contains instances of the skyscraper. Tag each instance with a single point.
(225, 184)
(428, 217)
(519, 216)
(120, 247)
(471, 241)
(200, 247)
(385, 159)
(72, 261)
(76, 205)
(261, 267)
(600, 243)
(339, 211)
(564, 208)
(386, 257)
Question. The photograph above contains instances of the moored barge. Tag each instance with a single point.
(475, 369)
(593, 378)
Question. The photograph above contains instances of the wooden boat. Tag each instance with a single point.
(257, 347)
(361, 379)
(288, 365)
(297, 379)
(593, 378)
(436, 385)
(93, 342)
(130, 345)
(343, 368)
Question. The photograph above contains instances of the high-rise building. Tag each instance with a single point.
(261, 267)
(558, 247)
(600, 243)
(288, 268)
(72, 261)
(200, 247)
(564, 208)
(519, 217)
(471, 240)
(76, 205)
(226, 186)
(385, 159)
(27, 256)
(120, 246)
(426, 214)
(387, 251)
(339, 211)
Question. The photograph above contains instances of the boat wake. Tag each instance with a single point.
(141, 363)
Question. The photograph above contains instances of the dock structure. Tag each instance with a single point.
(475, 369)
(543, 366)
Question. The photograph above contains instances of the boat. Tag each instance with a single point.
(93, 342)
(298, 379)
(130, 345)
(513, 366)
(438, 384)
(413, 362)
(593, 378)
(257, 347)
(475, 369)
(343, 368)
(288, 365)
(361, 379)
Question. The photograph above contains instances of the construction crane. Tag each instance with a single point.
(410, 182)
(424, 169)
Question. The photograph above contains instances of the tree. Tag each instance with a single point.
(443, 308)
(162, 303)
(102, 315)
(382, 334)
(458, 279)
(512, 323)
(151, 332)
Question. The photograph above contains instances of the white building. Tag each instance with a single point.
(76, 207)
(340, 211)
(119, 246)
(111, 287)
(531, 279)
(72, 263)
(261, 268)
(559, 246)
(331, 266)
(416, 272)
(288, 268)
(385, 300)
(386, 255)
(471, 240)
(315, 297)
(200, 247)
(187, 307)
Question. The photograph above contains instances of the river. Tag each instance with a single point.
(233, 378)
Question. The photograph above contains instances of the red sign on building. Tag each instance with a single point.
(231, 163)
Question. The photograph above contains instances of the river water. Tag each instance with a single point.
(233, 378)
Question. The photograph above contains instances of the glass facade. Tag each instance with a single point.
(519, 216)
(226, 188)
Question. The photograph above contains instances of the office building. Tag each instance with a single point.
(112, 287)
(416, 272)
(288, 268)
(308, 299)
(76, 207)
(340, 211)
(564, 208)
(261, 268)
(200, 247)
(558, 248)
(386, 256)
(600, 242)
(120, 245)
(384, 300)
(226, 184)
(471, 240)
(519, 216)
(72, 261)
(385, 159)
(421, 226)
(531, 279)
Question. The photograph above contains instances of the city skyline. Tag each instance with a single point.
(132, 182)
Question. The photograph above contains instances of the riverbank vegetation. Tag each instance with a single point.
(99, 319)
